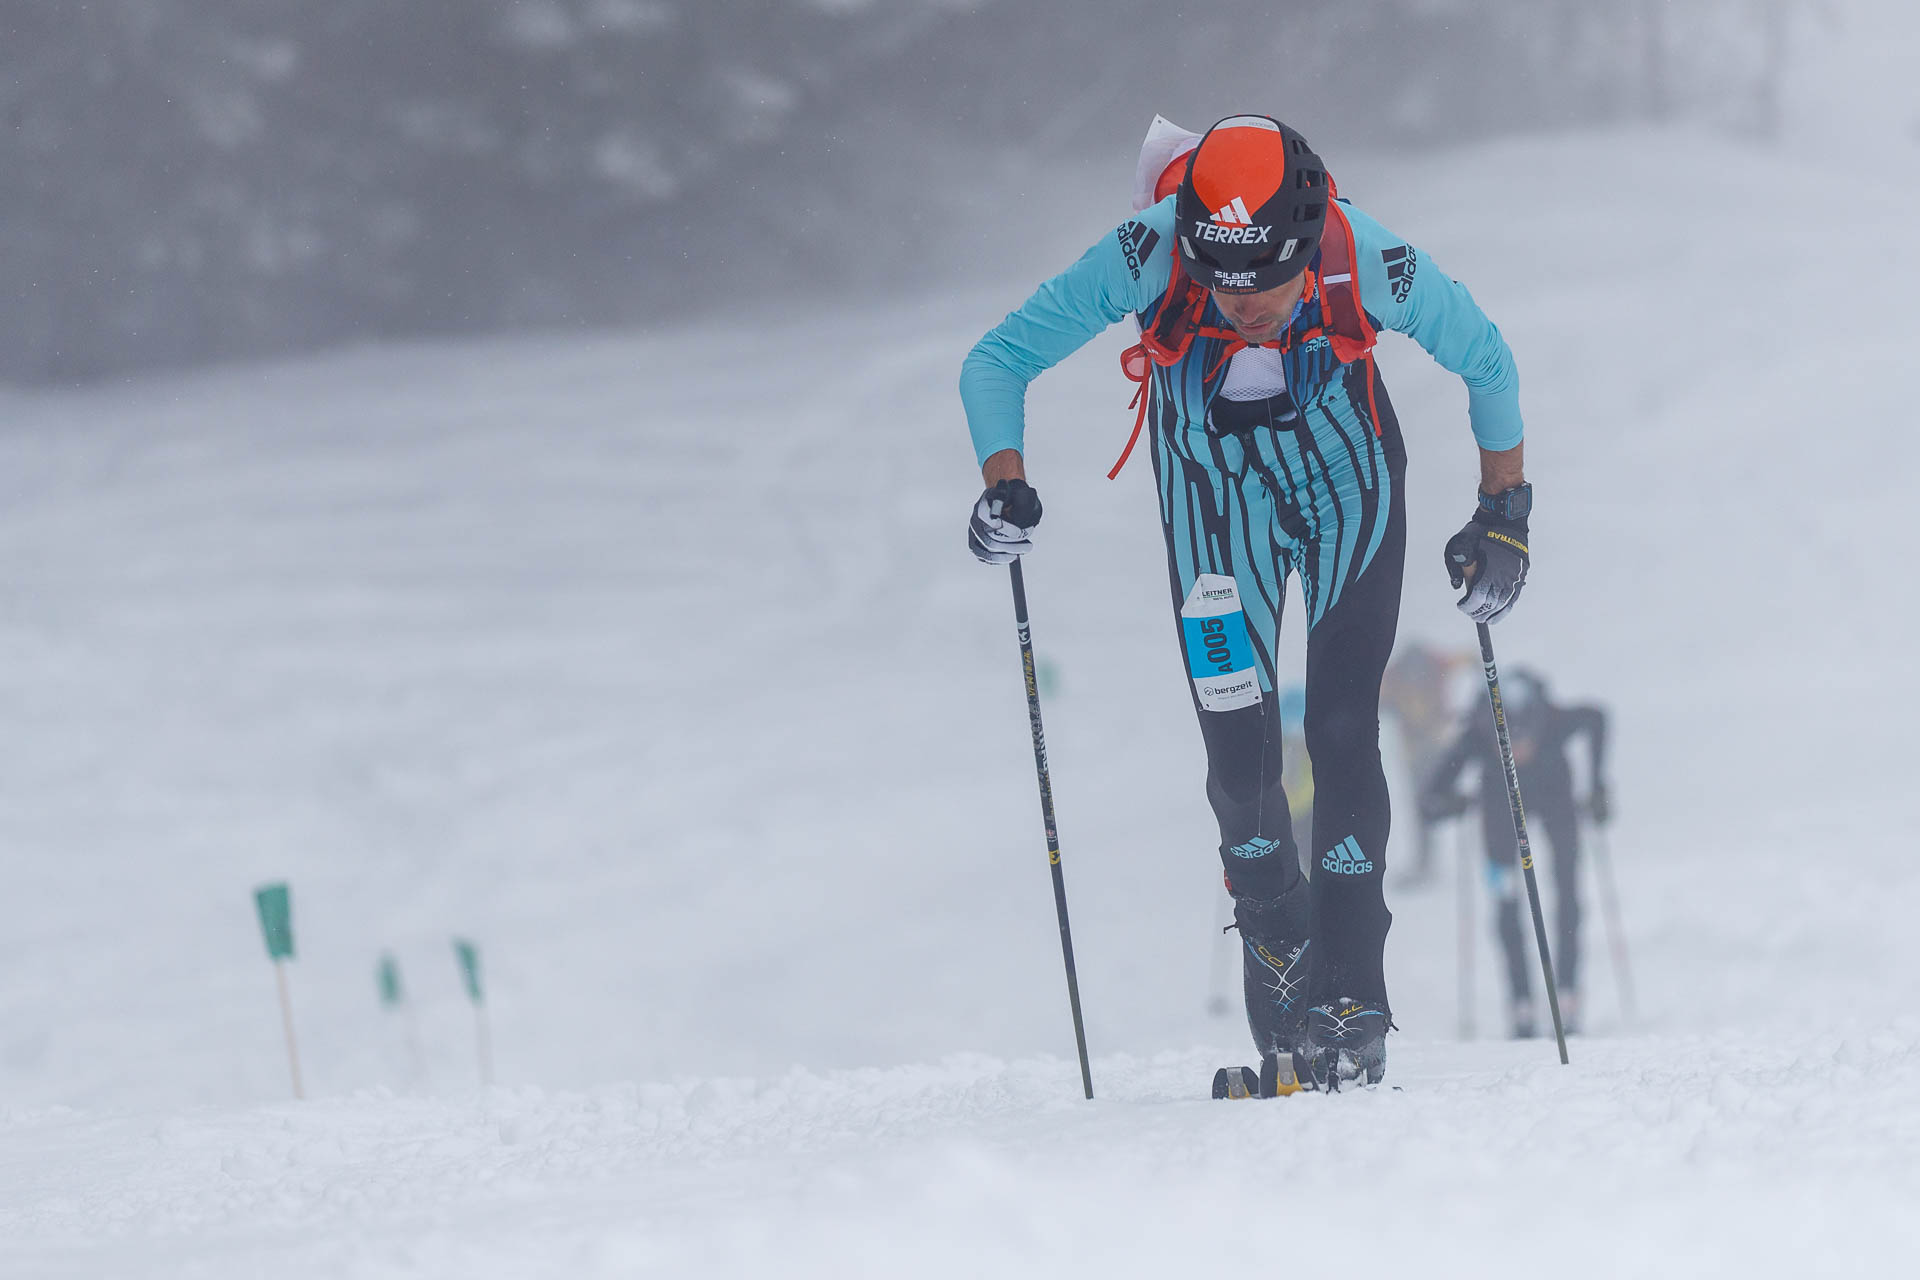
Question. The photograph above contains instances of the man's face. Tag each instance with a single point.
(1259, 317)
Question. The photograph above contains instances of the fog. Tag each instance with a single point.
(225, 179)
(496, 470)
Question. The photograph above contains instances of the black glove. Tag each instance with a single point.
(1496, 549)
(1003, 521)
(1599, 805)
(1439, 806)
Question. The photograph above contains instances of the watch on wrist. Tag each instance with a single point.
(1509, 504)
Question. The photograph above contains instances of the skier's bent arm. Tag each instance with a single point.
(1410, 294)
(1110, 280)
(1061, 317)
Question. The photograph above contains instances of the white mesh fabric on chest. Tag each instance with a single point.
(1254, 373)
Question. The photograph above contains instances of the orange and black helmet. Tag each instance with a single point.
(1252, 206)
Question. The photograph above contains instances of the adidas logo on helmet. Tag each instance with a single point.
(1234, 214)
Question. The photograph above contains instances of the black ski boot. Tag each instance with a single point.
(1347, 1040)
(1273, 954)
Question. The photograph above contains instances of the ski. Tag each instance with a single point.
(1276, 1078)
(1235, 1083)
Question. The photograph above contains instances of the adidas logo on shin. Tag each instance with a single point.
(1346, 859)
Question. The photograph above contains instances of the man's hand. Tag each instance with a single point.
(1599, 805)
(1001, 529)
(1490, 557)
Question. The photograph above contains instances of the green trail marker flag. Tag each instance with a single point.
(392, 994)
(393, 999)
(469, 956)
(276, 919)
(275, 905)
(469, 968)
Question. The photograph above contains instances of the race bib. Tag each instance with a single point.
(1219, 655)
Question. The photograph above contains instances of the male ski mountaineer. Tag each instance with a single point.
(1540, 731)
(1276, 450)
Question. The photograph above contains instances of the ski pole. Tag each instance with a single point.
(1046, 815)
(1463, 892)
(1616, 932)
(1520, 833)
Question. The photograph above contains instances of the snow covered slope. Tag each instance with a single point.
(654, 662)
(1732, 1158)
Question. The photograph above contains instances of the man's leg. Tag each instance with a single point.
(1347, 652)
(1336, 482)
(1210, 515)
(1270, 907)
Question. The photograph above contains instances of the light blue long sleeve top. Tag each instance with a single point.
(1126, 272)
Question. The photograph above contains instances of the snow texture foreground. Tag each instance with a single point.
(1705, 1165)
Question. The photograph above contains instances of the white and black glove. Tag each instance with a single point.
(1001, 530)
(1494, 546)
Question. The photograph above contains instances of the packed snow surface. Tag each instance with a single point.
(654, 663)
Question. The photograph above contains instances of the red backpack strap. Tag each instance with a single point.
(1342, 315)
(1177, 320)
(1164, 341)
(1137, 363)
(1138, 366)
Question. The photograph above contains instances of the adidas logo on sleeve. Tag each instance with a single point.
(1346, 859)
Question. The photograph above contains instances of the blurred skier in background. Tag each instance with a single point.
(1541, 731)
(1416, 696)
(1259, 295)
